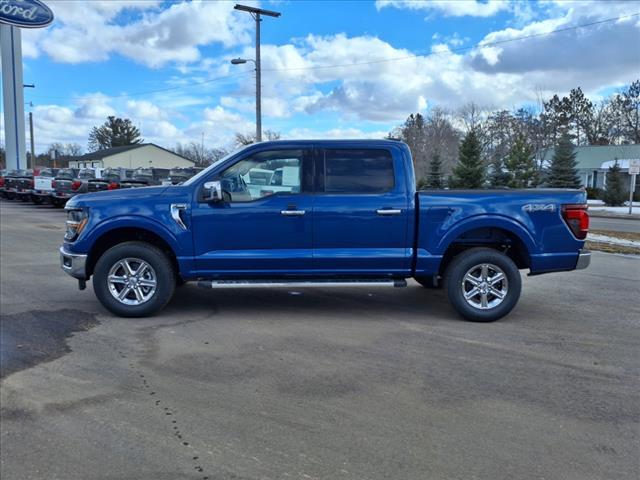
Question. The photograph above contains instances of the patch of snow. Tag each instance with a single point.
(623, 242)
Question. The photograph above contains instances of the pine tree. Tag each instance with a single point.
(498, 177)
(470, 171)
(563, 173)
(520, 164)
(614, 194)
(435, 172)
(115, 132)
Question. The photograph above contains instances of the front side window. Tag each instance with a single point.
(264, 174)
(358, 171)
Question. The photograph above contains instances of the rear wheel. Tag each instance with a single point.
(134, 279)
(483, 285)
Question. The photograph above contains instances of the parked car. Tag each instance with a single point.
(179, 175)
(18, 185)
(352, 217)
(64, 186)
(42, 185)
(110, 179)
(3, 173)
(145, 177)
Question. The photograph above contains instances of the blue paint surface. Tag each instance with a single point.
(339, 235)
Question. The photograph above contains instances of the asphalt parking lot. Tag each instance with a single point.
(313, 384)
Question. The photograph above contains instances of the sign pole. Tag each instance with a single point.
(634, 169)
(632, 187)
(12, 81)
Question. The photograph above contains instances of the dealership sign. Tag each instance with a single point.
(25, 13)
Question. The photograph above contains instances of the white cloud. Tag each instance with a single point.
(333, 133)
(93, 31)
(450, 8)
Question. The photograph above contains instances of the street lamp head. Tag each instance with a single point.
(258, 11)
(238, 61)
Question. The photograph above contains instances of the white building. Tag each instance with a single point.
(131, 156)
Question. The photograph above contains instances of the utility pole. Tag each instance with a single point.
(33, 148)
(255, 13)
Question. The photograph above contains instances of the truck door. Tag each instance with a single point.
(361, 213)
(264, 227)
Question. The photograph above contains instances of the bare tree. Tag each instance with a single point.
(198, 154)
(249, 138)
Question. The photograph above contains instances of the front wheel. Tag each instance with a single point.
(483, 284)
(134, 279)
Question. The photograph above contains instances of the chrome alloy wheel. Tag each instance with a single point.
(132, 281)
(485, 286)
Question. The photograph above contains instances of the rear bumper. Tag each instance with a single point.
(73, 263)
(62, 195)
(584, 259)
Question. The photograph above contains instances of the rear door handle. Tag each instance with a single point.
(385, 212)
(292, 213)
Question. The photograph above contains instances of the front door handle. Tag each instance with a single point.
(292, 213)
(385, 212)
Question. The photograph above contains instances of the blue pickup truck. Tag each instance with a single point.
(320, 213)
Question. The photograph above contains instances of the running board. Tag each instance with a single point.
(386, 282)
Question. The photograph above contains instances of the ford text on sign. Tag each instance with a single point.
(25, 13)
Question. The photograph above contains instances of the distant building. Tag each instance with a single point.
(594, 162)
(131, 156)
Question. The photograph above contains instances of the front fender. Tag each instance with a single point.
(102, 227)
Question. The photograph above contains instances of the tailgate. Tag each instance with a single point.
(43, 183)
(97, 185)
(63, 185)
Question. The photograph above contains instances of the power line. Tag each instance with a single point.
(159, 90)
(459, 49)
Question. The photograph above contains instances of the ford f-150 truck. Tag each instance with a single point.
(332, 213)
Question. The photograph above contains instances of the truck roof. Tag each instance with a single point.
(346, 142)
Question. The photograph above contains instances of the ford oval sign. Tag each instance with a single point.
(25, 13)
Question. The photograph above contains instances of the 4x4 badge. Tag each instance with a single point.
(539, 207)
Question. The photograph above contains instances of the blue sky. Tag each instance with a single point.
(166, 65)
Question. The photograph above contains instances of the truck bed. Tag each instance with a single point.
(532, 217)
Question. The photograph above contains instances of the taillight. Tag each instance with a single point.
(53, 184)
(577, 219)
(76, 185)
(32, 183)
(113, 186)
(1, 181)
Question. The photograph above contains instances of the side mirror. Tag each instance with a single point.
(213, 191)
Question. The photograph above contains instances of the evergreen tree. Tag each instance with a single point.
(563, 173)
(470, 171)
(520, 164)
(614, 194)
(435, 172)
(498, 177)
(115, 132)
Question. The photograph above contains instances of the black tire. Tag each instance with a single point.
(475, 258)
(163, 272)
(432, 282)
(35, 199)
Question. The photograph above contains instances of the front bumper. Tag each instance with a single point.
(73, 263)
(584, 259)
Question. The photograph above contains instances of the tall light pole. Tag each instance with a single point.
(255, 13)
(33, 148)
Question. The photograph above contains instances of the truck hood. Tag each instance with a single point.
(88, 199)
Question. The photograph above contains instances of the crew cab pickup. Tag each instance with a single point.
(320, 213)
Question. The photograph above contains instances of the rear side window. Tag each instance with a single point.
(358, 171)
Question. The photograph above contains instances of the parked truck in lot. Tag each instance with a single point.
(344, 213)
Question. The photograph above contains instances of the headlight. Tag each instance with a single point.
(76, 221)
